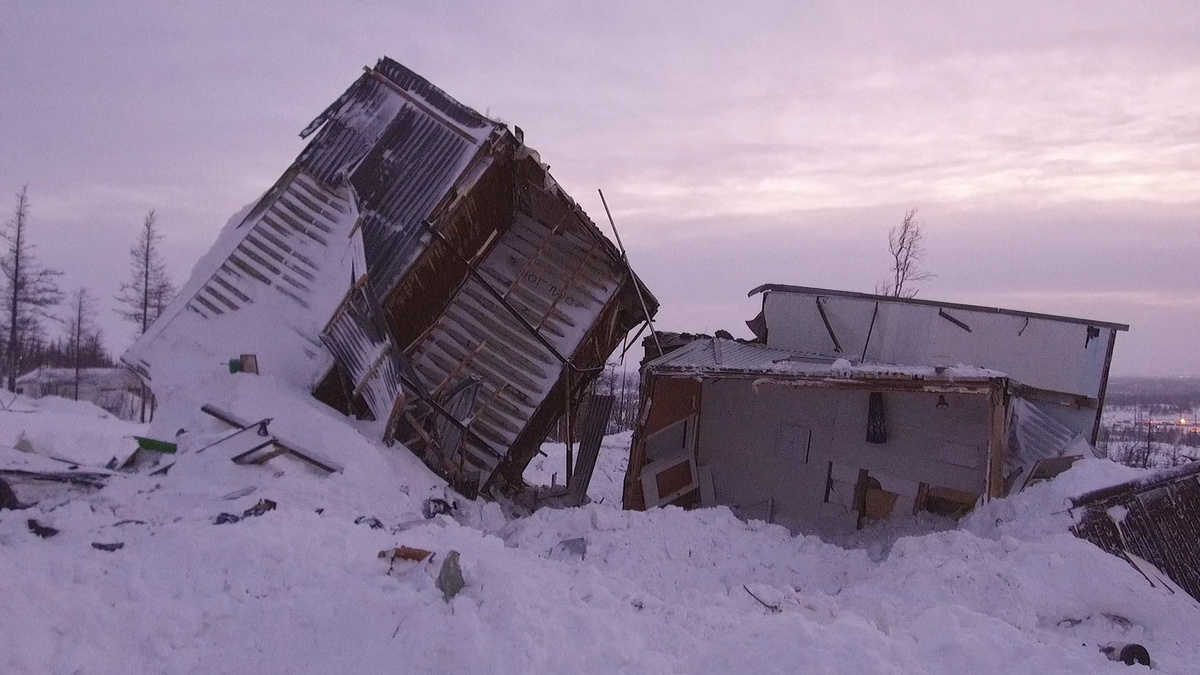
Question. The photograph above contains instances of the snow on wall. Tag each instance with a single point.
(267, 287)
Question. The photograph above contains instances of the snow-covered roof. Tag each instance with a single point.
(720, 355)
(808, 290)
(115, 377)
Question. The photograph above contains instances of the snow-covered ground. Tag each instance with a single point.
(301, 588)
(550, 468)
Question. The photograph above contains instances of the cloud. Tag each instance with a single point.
(1053, 148)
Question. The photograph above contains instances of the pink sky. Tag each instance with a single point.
(1053, 151)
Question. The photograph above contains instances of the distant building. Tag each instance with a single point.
(116, 390)
(852, 407)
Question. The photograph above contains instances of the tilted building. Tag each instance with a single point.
(416, 264)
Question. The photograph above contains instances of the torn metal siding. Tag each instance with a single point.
(554, 280)
(1033, 436)
(364, 350)
(280, 248)
(1156, 519)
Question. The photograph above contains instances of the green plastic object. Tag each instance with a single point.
(156, 445)
(235, 366)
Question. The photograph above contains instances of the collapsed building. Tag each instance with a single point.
(849, 407)
(418, 265)
(1152, 522)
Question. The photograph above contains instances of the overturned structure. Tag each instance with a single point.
(418, 265)
(1152, 522)
(851, 407)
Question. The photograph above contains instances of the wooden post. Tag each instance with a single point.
(997, 434)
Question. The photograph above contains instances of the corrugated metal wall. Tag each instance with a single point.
(1157, 519)
(282, 248)
(559, 280)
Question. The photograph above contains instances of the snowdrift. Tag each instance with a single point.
(301, 588)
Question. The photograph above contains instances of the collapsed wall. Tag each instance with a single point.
(417, 265)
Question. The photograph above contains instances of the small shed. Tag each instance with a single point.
(815, 443)
(851, 407)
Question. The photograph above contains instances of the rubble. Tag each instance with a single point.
(450, 577)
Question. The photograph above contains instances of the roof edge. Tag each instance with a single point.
(809, 290)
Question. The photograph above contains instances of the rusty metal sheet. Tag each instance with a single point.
(1155, 518)
(559, 281)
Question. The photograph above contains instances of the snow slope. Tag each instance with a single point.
(301, 589)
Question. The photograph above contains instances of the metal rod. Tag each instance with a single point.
(632, 342)
(870, 330)
(837, 346)
(1112, 339)
(942, 313)
(570, 445)
(636, 285)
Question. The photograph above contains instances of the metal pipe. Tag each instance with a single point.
(625, 259)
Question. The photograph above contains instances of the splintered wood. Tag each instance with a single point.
(405, 553)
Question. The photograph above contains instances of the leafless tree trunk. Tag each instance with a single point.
(906, 244)
(30, 290)
(83, 334)
(149, 288)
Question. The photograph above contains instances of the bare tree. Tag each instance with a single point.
(30, 290)
(83, 333)
(149, 289)
(906, 244)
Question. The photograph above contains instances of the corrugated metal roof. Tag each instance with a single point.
(559, 280)
(281, 247)
(403, 144)
(807, 290)
(719, 355)
(1034, 435)
(365, 350)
